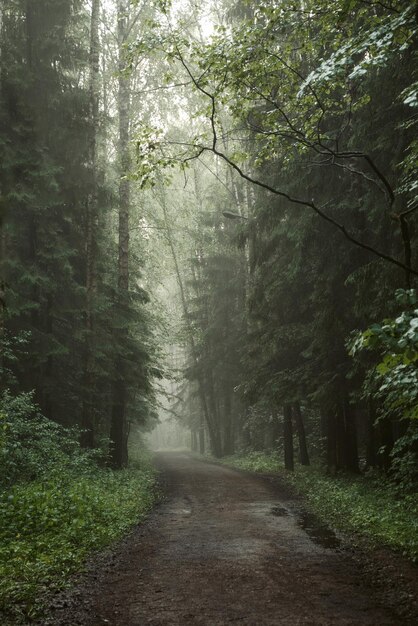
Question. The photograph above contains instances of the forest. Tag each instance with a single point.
(208, 225)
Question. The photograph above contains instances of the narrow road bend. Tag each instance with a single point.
(223, 548)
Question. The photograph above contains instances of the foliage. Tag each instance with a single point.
(48, 528)
(366, 505)
(312, 104)
(59, 261)
(57, 505)
(300, 101)
(12, 348)
(393, 380)
(31, 446)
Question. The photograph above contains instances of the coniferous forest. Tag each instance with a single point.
(208, 241)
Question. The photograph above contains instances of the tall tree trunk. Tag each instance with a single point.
(340, 440)
(214, 422)
(2, 215)
(2, 279)
(323, 426)
(288, 437)
(208, 418)
(275, 430)
(202, 434)
(193, 439)
(331, 440)
(300, 429)
(118, 428)
(346, 437)
(351, 455)
(228, 418)
(371, 456)
(87, 424)
(48, 368)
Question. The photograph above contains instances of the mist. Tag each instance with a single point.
(208, 311)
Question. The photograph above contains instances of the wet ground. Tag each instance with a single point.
(227, 547)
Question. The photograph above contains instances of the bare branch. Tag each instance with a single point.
(294, 200)
(318, 211)
(319, 145)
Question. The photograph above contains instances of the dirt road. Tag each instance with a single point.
(225, 547)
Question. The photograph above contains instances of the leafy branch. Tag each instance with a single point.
(213, 148)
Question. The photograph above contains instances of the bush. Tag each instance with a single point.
(31, 446)
(392, 381)
(56, 505)
(49, 527)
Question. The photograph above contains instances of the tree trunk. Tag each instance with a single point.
(300, 429)
(202, 434)
(118, 429)
(351, 448)
(345, 437)
(118, 452)
(331, 440)
(207, 417)
(228, 447)
(193, 440)
(48, 368)
(288, 437)
(371, 457)
(2, 218)
(87, 424)
(2, 283)
(214, 425)
(275, 430)
(340, 439)
(323, 429)
(348, 444)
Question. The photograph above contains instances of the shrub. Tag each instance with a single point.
(31, 446)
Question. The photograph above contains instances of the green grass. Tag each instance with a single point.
(48, 528)
(255, 462)
(366, 505)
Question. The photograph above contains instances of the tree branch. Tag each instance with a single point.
(298, 201)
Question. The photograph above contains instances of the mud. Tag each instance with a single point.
(230, 547)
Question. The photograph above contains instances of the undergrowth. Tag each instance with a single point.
(368, 505)
(57, 506)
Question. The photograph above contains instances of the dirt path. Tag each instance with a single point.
(224, 548)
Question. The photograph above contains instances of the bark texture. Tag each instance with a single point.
(118, 429)
(288, 437)
(87, 437)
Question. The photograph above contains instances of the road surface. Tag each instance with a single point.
(225, 547)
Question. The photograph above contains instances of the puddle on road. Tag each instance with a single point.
(319, 533)
(279, 511)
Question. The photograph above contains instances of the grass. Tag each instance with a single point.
(48, 528)
(366, 505)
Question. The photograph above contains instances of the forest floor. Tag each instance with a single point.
(228, 546)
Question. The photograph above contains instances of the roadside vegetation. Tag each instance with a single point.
(58, 505)
(208, 217)
(370, 505)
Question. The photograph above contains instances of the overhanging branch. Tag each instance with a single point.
(277, 192)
